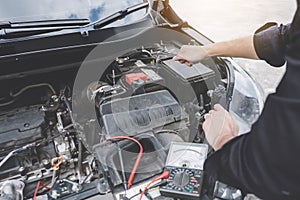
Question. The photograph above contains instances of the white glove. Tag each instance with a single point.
(219, 127)
(190, 55)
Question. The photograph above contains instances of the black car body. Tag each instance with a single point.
(68, 86)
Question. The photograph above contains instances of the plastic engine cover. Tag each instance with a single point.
(137, 114)
(21, 126)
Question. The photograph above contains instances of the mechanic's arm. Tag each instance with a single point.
(268, 43)
(242, 47)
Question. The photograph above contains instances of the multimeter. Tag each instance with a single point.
(185, 164)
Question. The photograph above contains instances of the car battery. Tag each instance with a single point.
(185, 81)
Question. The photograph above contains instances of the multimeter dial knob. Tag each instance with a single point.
(181, 179)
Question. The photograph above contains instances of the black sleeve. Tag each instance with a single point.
(270, 43)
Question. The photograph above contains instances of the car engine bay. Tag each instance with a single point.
(48, 152)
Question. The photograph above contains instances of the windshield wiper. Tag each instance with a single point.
(119, 15)
(22, 29)
(44, 23)
(10, 30)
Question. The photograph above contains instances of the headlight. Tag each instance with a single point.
(247, 99)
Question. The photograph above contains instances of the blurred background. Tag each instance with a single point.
(228, 19)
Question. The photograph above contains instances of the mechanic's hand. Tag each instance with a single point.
(219, 127)
(189, 54)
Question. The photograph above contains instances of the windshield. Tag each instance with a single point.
(35, 10)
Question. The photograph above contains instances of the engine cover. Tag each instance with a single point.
(21, 126)
(140, 113)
